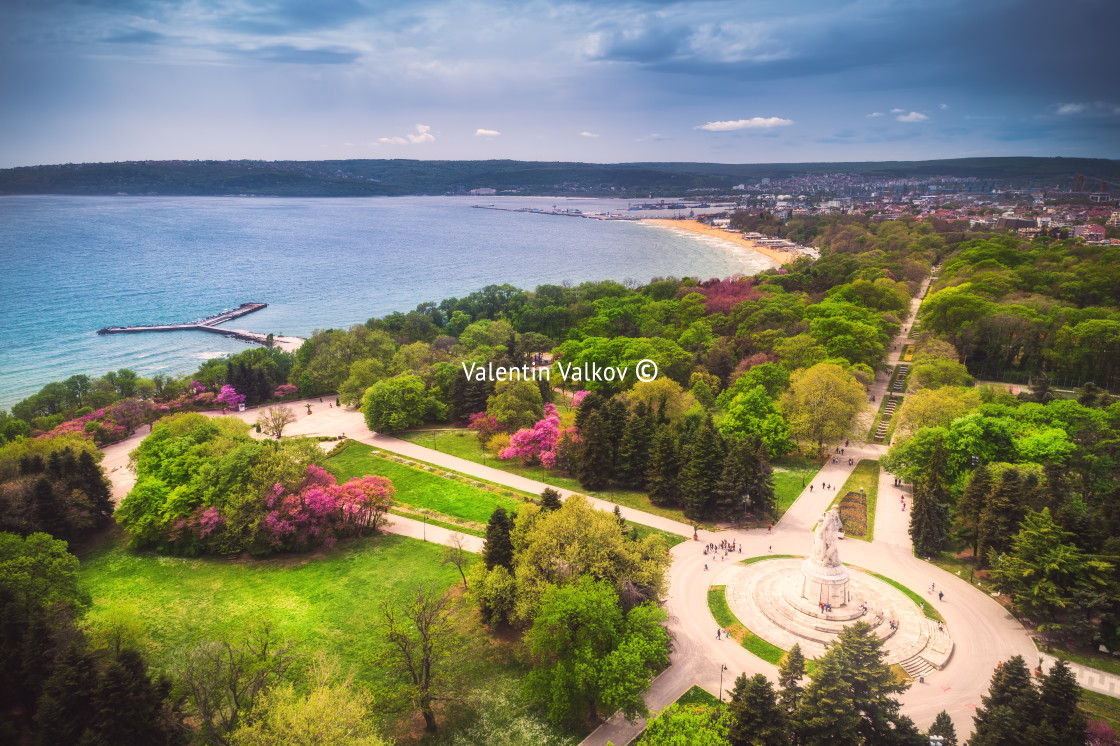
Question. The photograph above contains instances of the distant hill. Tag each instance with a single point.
(362, 178)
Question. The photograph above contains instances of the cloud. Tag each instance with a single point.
(875, 114)
(422, 135)
(1095, 109)
(943, 107)
(913, 116)
(754, 123)
(486, 133)
(898, 111)
(585, 133)
(653, 137)
(292, 54)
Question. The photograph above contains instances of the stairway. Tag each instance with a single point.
(885, 420)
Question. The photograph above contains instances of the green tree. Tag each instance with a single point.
(515, 404)
(701, 471)
(695, 725)
(1060, 699)
(595, 463)
(756, 719)
(791, 671)
(498, 549)
(1002, 512)
(822, 404)
(633, 451)
(943, 726)
(550, 499)
(66, 707)
(1051, 579)
(972, 503)
(828, 714)
(752, 412)
(1009, 708)
(127, 707)
(396, 404)
(558, 547)
(330, 713)
(663, 474)
(929, 514)
(591, 657)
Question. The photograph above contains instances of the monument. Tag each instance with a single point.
(824, 578)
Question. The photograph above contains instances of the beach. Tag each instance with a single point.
(781, 257)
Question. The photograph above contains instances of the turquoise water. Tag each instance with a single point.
(72, 265)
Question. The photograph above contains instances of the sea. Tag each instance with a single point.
(72, 265)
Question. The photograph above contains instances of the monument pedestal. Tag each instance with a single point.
(824, 585)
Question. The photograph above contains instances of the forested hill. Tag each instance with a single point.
(360, 178)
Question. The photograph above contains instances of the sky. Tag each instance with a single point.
(745, 81)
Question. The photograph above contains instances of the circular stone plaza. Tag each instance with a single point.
(808, 601)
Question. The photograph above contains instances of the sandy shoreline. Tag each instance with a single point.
(781, 257)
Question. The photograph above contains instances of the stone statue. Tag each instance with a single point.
(826, 550)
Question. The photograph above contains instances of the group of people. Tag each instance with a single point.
(825, 607)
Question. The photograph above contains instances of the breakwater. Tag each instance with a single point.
(208, 324)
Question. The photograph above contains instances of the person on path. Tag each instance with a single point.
(719, 633)
(705, 567)
(810, 488)
(940, 595)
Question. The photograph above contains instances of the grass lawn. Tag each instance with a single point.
(698, 696)
(328, 601)
(464, 444)
(1092, 658)
(791, 474)
(865, 475)
(717, 603)
(752, 560)
(417, 488)
(1101, 707)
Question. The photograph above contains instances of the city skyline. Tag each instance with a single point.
(571, 81)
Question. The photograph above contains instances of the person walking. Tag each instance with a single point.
(940, 595)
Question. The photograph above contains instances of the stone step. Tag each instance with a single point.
(916, 666)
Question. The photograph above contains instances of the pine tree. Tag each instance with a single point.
(735, 481)
(1059, 699)
(633, 452)
(870, 683)
(943, 726)
(498, 549)
(828, 716)
(929, 514)
(66, 706)
(595, 466)
(95, 485)
(763, 500)
(1009, 708)
(756, 719)
(550, 499)
(663, 474)
(1001, 516)
(47, 510)
(791, 671)
(701, 471)
(615, 415)
(127, 705)
(971, 505)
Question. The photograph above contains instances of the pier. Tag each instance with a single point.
(208, 324)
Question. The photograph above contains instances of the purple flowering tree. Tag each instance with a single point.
(230, 398)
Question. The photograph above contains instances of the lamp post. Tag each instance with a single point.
(722, 668)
